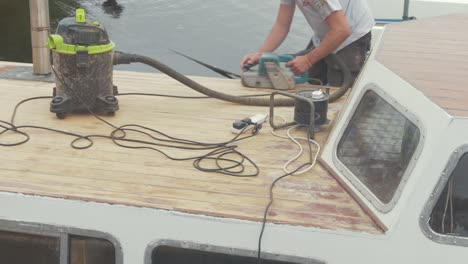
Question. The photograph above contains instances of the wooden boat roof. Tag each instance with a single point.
(106, 173)
(432, 55)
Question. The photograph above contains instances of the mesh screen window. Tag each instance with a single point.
(378, 145)
(450, 214)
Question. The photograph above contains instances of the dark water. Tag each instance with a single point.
(219, 32)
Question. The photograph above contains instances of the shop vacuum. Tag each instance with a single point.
(83, 64)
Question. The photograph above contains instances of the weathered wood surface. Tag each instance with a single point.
(48, 166)
(432, 55)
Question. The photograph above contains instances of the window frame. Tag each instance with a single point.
(62, 233)
(434, 197)
(363, 189)
(224, 250)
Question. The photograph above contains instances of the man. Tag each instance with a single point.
(340, 26)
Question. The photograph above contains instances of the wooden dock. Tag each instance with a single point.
(431, 55)
(106, 173)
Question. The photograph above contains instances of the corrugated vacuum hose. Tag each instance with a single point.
(127, 58)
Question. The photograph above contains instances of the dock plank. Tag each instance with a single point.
(431, 54)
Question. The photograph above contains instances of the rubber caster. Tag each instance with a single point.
(61, 115)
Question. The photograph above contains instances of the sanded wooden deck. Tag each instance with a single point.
(432, 55)
(48, 166)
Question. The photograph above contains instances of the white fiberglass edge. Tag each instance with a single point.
(432, 119)
(136, 228)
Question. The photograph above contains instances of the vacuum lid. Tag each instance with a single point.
(78, 33)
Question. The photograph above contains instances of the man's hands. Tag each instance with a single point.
(299, 65)
(251, 59)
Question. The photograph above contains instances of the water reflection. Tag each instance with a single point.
(113, 8)
(216, 32)
(15, 44)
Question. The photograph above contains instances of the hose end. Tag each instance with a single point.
(123, 58)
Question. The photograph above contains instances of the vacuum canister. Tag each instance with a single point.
(82, 58)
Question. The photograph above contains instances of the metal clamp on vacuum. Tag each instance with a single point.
(310, 109)
(82, 57)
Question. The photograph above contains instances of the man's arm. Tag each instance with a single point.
(277, 35)
(337, 34)
(280, 29)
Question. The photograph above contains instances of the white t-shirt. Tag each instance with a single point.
(357, 13)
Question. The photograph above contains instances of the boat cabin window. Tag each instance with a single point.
(176, 255)
(378, 145)
(21, 248)
(88, 250)
(29, 243)
(450, 213)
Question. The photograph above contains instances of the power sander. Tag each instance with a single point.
(272, 74)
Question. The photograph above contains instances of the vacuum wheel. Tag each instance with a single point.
(61, 115)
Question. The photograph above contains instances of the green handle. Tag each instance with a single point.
(80, 15)
(303, 78)
(54, 41)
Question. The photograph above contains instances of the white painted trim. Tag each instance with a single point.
(363, 189)
(136, 228)
(432, 119)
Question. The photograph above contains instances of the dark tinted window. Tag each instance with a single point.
(18, 248)
(87, 250)
(378, 145)
(173, 255)
(450, 214)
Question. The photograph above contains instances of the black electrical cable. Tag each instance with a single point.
(8, 127)
(12, 120)
(173, 139)
(11, 127)
(267, 209)
(222, 72)
(272, 186)
(218, 152)
(15, 129)
(187, 97)
(165, 95)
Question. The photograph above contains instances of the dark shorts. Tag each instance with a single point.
(354, 55)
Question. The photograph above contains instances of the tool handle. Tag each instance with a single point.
(286, 57)
(247, 66)
(303, 78)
